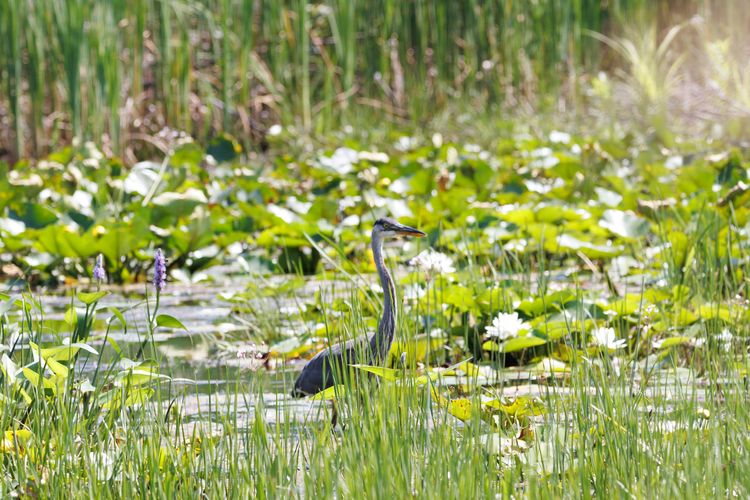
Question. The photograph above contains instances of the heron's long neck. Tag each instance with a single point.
(381, 342)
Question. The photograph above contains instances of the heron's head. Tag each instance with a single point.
(389, 228)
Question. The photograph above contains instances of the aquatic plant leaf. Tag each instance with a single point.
(35, 380)
(141, 178)
(15, 441)
(426, 379)
(569, 243)
(416, 349)
(71, 316)
(522, 406)
(460, 408)
(625, 224)
(550, 365)
(6, 305)
(116, 314)
(329, 393)
(89, 298)
(66, 352)
(223, 148)
(520, 343)
(36, 216)
(188, 154)
(177, 204)
(674, 341)
(168, 321)
(549, 302)
(119, 240)
(385, 373)
(460, 297)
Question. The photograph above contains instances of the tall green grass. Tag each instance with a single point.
(600, 435)
(90, 68)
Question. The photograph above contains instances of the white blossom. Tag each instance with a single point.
(103, 464)
(413, 292)
(698, 342)
(725, 339)
(605, 337)
(561, 137)
(433, 262)
(505, 326)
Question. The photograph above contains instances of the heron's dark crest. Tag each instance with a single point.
(319, 373)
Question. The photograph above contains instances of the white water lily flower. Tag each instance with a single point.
(560, 137)
(506, 326)
(433, 262)
(341, 161)
(103, 463)
(275, 130)
(605, 337)
(725, 339)
(413, 292)
(9, 369)
(698, 343)
(86, 386)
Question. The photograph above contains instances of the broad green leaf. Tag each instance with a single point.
(114, 345)
(460, 408)
(57, 368)
(188, 154)
(119, 240)
(416, 349)
(711, 311)
(180, 203)
(625, 224)
(330, 393)
(460, 297)
(34, 378)
(490, 345)
(385, 373)
(674, 341)
(520, 343)
(223, 148)
(71, 316)
(36, 216)
(89, 298)
(547, 303)
(425, 379)
(67, 352)
(569, 243)
(118, 315)
(14, 441)
(142, 177)
(168, 321)
(522, 406)
(6, 305)
(550, 365)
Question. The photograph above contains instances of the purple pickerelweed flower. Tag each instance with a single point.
(160, 270)
(99, 273)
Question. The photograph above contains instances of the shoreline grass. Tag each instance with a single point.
(89, 69)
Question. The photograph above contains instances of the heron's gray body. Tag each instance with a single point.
(333, 362)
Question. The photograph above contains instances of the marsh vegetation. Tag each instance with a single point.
(177, 241)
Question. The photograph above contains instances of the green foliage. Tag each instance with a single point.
(93, 68)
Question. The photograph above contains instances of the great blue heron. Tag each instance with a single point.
(318, 374)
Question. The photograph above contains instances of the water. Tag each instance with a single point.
(221, 356)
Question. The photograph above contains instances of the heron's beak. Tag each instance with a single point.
(409, 231)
